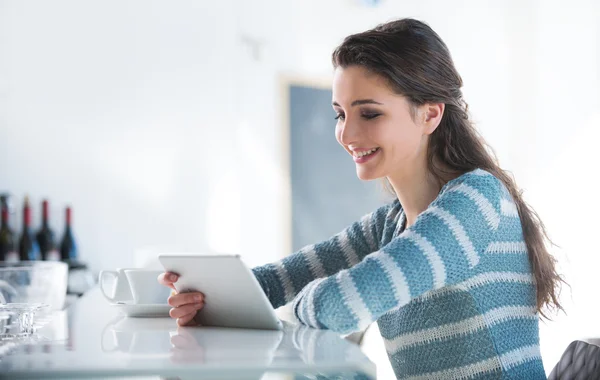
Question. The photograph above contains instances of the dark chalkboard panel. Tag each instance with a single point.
(326, 194)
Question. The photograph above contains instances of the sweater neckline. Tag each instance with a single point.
(402, 219)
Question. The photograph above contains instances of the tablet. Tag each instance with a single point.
(233, 296)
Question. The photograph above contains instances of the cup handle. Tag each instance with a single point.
(101, 277)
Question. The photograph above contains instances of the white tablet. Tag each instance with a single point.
(233, 296)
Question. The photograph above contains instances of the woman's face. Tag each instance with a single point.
(374, 125)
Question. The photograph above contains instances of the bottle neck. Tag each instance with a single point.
(45, 214)
(26, 217)
(68, 217)
(4, 218)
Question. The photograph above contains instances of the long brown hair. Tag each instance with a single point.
(417, 64)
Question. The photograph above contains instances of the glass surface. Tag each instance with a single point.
(269, 375)
(92, 339)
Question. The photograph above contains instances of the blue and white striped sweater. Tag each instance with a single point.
(453, 294)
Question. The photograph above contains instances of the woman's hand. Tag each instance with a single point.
(185, 305)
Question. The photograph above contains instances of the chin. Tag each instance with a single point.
(367, 175)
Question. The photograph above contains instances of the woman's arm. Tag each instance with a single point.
(441, 248)
(283, 279)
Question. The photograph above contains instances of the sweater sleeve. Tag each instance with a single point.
(282, 280)
(441, 248)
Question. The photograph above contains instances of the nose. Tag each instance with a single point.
(348, 133)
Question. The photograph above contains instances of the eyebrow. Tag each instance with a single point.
(359, 102)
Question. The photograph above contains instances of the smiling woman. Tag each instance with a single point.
(455, 270)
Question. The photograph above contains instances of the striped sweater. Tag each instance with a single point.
(453, 294)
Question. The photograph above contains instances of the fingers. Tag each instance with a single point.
(167, 279)
(181, 299)
(187, 320)
(185, 305)
(184, 311)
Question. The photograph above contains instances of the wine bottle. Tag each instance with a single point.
(68, 248)
(45, 237)
(28, 246)
(8, 250)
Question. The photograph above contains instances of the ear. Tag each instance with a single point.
(431, 116)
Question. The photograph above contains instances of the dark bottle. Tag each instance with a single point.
(8, 250)
(28, 247)
(45, 237)
(68, 248)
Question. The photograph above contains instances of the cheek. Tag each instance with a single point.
(399, 141)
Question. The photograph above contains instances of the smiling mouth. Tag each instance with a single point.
(364, 153)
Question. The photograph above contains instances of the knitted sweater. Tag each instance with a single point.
(453, 294)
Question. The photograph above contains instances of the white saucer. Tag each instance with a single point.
(149, 310)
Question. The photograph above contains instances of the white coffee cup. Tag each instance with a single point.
(145, 287)
(122, 292)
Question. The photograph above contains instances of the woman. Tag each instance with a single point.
(455, 270)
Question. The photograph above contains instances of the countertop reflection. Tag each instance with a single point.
(95, 341)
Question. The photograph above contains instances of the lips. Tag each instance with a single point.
(366, 156)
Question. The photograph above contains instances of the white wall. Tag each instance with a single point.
(163, 129)
(122, 109)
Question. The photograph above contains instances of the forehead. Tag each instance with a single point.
(355, 82)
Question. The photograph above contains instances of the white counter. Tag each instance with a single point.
(98, 342)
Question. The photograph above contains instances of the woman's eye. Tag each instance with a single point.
(369, 116)
(366, 116)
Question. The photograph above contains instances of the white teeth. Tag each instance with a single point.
(362, 154)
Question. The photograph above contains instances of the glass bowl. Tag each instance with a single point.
(34, 282)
